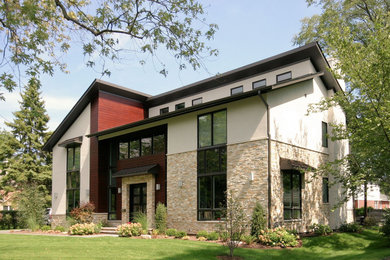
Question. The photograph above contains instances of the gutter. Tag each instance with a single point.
(260, 94)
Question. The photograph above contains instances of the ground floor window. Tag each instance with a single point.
(73, 178)
(211, 183)
(292, 200)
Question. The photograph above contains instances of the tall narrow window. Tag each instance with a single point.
(123, 150)
(325, 190)
(112, 189)
(292, 194)
(212, 129)
(73, 178)
(324, 134)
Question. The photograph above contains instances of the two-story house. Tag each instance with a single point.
(246, 131)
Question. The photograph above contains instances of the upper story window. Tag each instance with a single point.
(73, 178)
(180, 106)
(147, 145)
(164, 110)
(212, 129)
(259, 83)
(325, 190)
(283, 76)
(197, 101)
(236, 90)
(324, 134)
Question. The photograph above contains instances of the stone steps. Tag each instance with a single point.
(108, 230)
(114, 223)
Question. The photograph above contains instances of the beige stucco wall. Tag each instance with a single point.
(80, 127)
(298, 69)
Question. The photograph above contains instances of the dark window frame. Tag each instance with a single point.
(164, 110)
(236, 88)
(265, 83)
(325, 190)
(138, 139)
(324, 134)
(196, 99)
(73, 169)
(291, 173)
(282, 74)
(212, 129)
(177, 106)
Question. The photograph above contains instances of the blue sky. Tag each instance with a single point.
(249, 30)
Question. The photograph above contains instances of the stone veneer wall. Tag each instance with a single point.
(58, 220)
(150, 195)
(313, 209)
(242, 160)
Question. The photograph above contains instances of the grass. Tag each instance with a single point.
(367, 245)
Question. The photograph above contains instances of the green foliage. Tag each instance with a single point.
(84, 229)
(37, 34)
(248, 239)
(202, 233)
(350, 228)
(278, 237)
(129, 230)
(385, 229)
(258, 221)
(45, 228)
(171, 232)
(356, 35)
(84, 213)
(31, 207)
(212, 236)
(224, 236)
(28, 164)
(370, 221)
(59, 228)
(180, 234)
(8, 220)
(141, 218)
(161, 218)
(360, 211)
(321, 230)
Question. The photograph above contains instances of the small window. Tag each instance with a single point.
(324, 134)
(7, 208)
(164, 110)
(180, 106)
(197, 101)
(236, 90)
(284, 76)
(325, 190)
(123, 150)
(260, 83)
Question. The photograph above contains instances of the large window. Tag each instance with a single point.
(142, 146)
(73, 178)
(292, 185)
(211, 165)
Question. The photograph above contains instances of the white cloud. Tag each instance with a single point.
(59, 103)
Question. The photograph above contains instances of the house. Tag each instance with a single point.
(375, 198)
(246, 131)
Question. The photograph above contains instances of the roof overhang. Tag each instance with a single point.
(71, 142)
(129, 172)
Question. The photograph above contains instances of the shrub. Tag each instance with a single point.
(59, 228)
(180, 234)
(141, 218)
(46, 228)
(161, 218)
(278, 237)
(370, 221)
(171, 232)
(155, 232)
(83, 214)
(258, 221)
(321, 230)
(8, 221)
(129, 230)
(186, 238)
(202, 233)
(212, 236)
(202, 238)
(223, 236)
(31, 207)
(350, 227)
(360, 211)
(386, 225)
(248, 239)
(84, 229)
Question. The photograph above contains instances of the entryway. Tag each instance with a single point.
(137, 199)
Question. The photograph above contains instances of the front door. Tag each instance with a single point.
(137, 199)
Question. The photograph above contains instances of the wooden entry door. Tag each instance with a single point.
(137, 199)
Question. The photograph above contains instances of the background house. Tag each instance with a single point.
(375, 198)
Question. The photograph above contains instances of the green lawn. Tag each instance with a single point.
(367, 245)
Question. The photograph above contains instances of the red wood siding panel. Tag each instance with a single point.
(115, 111)
(94, 157)
(148, 160)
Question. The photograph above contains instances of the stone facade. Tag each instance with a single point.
(149, 179)
(313, 209)
(99, 217)
(58, 220)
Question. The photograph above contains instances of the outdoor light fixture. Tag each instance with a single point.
(157, 186)
(180, 184)
(251, 176)
(119, 190)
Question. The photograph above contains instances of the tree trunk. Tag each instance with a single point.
(365, 200)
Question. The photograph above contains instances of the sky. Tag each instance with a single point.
(249, 31)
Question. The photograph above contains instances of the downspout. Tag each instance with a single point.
(269, 156)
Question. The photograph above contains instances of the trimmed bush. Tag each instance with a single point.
(180, 234)
(84, 229)
(370, 221)
(212, 236)
(161, 218)
(385, 229)
(171, 232)
(321, 230)
(59, 228)
(248, 239)
(278, 237)
(258, 221)
(83, 214)
(129, 230)
(360, 211)
(350, 228)
(202, 233)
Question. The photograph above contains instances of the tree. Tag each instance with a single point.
(355, 34)
(29, 164)
(36, 33)
(258, 221)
